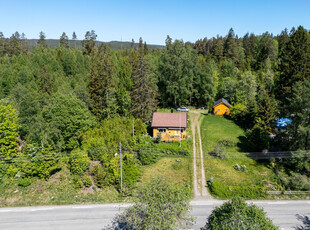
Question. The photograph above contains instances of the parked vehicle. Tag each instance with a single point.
(183, 109)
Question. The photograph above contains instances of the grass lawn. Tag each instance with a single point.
(217, 128)
(169, 168)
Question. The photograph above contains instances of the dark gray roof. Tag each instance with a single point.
(220, 101)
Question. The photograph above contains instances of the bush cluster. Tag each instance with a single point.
(228, 143)
(241, 168)
(224, 191)
(24, 182)
(219, 151)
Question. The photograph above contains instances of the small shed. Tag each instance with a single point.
(221, 107)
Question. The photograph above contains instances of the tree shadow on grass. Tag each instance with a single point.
(243, 144)
(305, 222)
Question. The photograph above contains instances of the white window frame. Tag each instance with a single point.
(162, 130)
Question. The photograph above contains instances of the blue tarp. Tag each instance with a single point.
(282, 122)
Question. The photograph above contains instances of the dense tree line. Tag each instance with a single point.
(51, 98)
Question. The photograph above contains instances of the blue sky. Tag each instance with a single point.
(151, 20)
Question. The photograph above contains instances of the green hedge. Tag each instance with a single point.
(227, 192)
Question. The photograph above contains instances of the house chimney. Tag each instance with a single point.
(171, 110)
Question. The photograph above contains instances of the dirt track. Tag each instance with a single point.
(200, 186)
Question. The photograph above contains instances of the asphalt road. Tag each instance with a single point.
(95, 217)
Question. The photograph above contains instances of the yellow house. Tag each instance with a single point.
(221, 107)
(170, 126)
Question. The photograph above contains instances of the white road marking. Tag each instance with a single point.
(41, 209)
(6, 210)
(277, 202)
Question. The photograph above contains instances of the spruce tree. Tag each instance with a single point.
(42, 42)
(15, 45)
(89, 42)
(64, 40)
(143, 95)
(74, 38)
(218, 48)
(230, 46)
(294, 63)
(45, 81)
(102, 83)
(2, 44)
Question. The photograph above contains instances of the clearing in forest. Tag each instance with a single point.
(219, 133)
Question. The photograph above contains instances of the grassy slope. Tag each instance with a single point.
(57, 190)
(169, 168)
(217, 128)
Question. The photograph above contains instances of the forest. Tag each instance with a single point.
(70, 106)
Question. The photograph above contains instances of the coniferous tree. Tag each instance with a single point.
(132, 44)
(2, 44)
(89, 42)
(266, 48)
(299, 105)
(42, 41)
(64, 40)
(15, 46)
(74, 38)
(45, 81)
(218, 48)
(124, 86)
(231, 46)
(102, 83)
(249, 44)
(201, 46)
(143, 95)
(282, 39)
(294, 63)
(145, 49)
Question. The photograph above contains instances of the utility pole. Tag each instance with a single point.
(120, 158)
(180, 128)
(133, 127)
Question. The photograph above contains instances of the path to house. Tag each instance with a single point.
(200, 187)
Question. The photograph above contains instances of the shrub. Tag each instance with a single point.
(78, 162)
(224, 191)
(237, 214)
(77, 182)
(147, 157)
(157, 138)
(219, 151)
(173, 148)
(131, 174)
(24, 182)
(228, 143)
(241, 168)
(298, 182)
(159, 205)
(41, 162)
(87, 181)
(100, 176)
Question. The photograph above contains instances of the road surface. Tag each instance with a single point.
(95, 217)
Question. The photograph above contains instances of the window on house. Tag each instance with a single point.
(161, 130)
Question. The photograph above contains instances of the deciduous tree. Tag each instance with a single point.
(236, 214)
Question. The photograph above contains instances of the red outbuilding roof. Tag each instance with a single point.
(169, 120)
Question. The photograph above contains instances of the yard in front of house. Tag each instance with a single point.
(216, 129)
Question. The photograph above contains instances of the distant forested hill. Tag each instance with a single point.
(115, 45)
